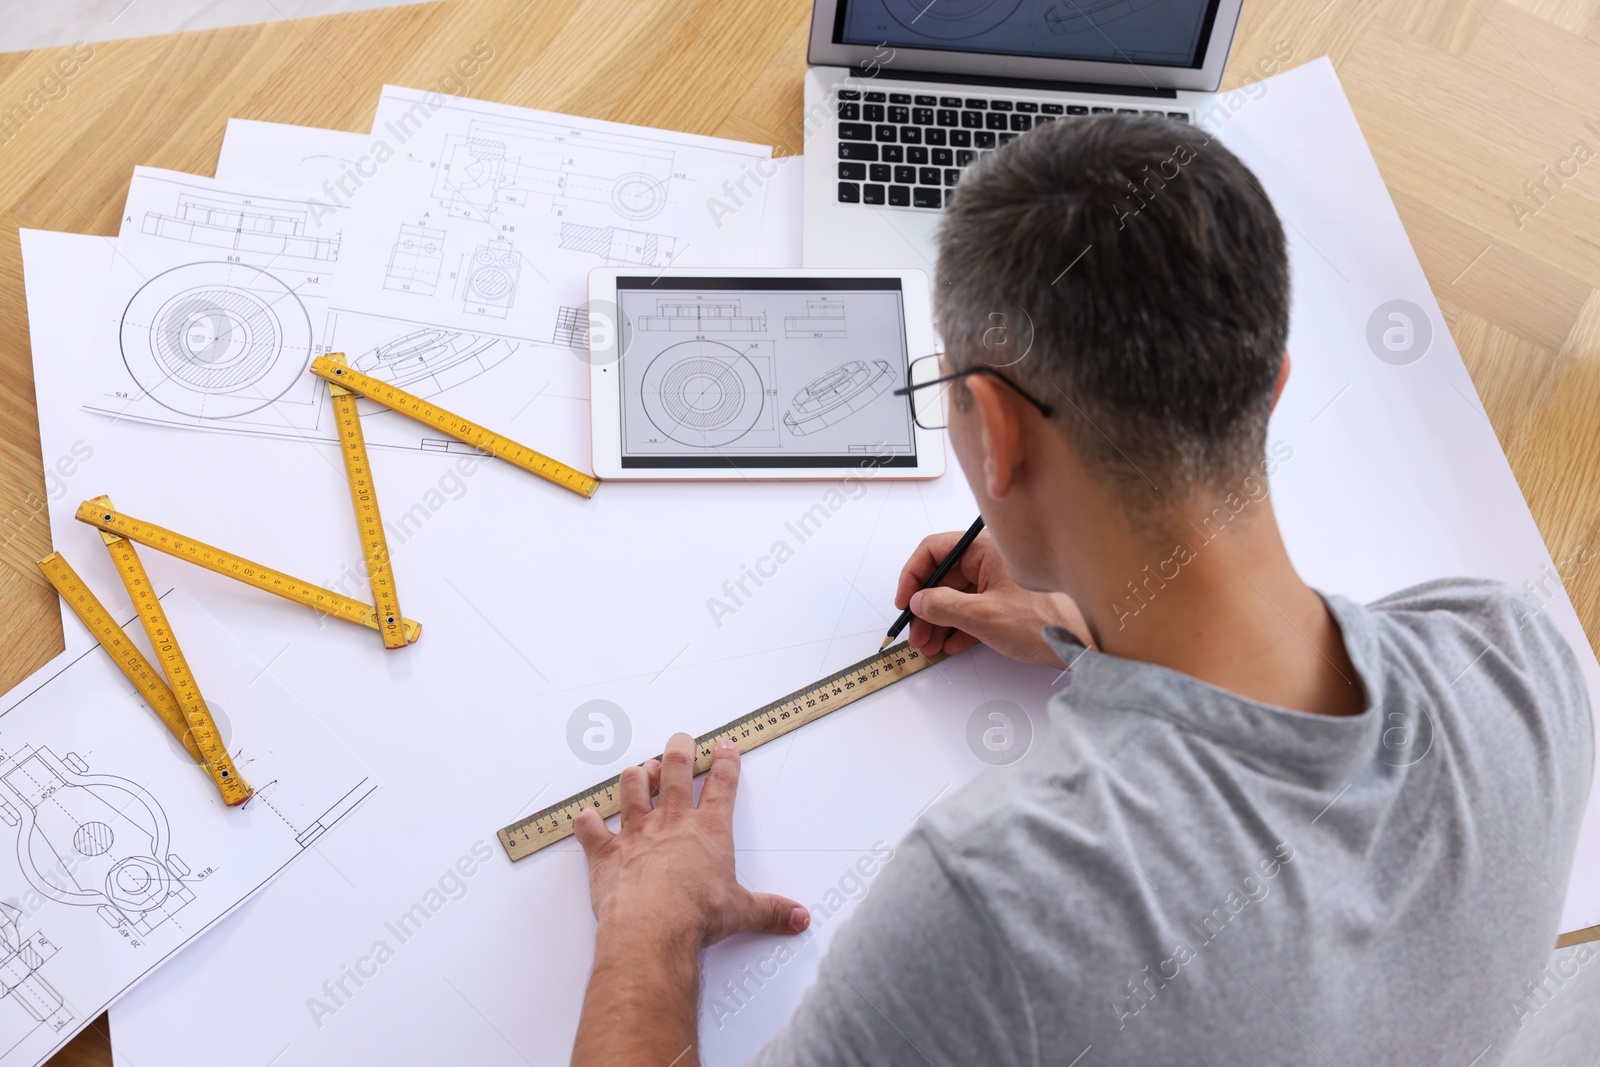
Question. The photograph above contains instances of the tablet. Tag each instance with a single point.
(757, 374)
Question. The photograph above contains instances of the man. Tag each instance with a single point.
(1266, 825)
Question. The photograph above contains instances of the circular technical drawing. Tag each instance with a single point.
(838, 394)
(215, 340)
(951, 20)
(493, 274)
(138, 883)
(638, 196)
(702, 393)
(93, 838)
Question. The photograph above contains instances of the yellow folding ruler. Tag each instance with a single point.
(177, 700)
(334, 370)
(767, 723)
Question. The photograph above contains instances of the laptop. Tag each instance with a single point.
(902, 95)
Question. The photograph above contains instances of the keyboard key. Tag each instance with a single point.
(971, 120)
(1102, 110)
(1181, 116)
(949, 195)
(911, 135)
(948, 117)
(1050, 109)
(1077, 109)
(899, 98)
(943, 157)
(893, 153)
(1007, 138)
(952, 176)
(855, 131)
(977, 105)
(880, 172)
(934, 135)
(961, 138)
(929, 176)
(994, 121)
(983, 138)
(875, 98)
(885, 134)
(851, 150)
(1154, 111)
(965, 156)
(872, 112)
(1021, 123)
(1040, 120)
(1127, 111)
(1028, 106)
(849, 193)
(856, 172)
(922, 116)
(848, 94)
(926, 101)
(899, 114)
(921, 197)
(899, 196)
(999, 105)
(916, 154)
(849, 112)
(905, 175)
(950, 101)
(872, 194)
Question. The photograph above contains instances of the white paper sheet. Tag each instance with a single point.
(536, 603)
(119, 850)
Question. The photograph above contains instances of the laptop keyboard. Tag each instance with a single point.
(908, 150)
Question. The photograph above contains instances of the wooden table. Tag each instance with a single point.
(1462, 101)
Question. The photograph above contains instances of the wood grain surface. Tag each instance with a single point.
(1471, 107)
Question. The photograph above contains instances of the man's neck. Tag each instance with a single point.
(1223, 604)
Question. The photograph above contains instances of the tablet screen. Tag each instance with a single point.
(763, 372)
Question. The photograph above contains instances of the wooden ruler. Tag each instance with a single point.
(337, 372)
(767, 723)
(207, 738)
(123, 652)
(364, 495)
(99, 514)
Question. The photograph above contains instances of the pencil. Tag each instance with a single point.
(937, 576)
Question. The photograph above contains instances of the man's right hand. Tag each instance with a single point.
(980, 603)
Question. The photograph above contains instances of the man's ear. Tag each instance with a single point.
(1283, 379)
(1000, 429)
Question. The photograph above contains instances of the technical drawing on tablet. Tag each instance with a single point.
(762, 372)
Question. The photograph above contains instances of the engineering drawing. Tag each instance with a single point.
(822, 319)
(951, 20)
(92, 840)
(215, 340)
(833, 397)
(507, 163)
(619, 246)
(438, 359)
(489, 279)
(1073, 16)
(416, 261)
(273, 228)
(697, 317)
(704, 394)
(20, 980)
(572, 327)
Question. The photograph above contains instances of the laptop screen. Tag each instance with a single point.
(1171, 33)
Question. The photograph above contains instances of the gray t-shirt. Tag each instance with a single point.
(1177, 875)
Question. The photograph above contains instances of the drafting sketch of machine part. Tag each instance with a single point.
(212, 306)
(838, 394)
(430, 360)
(697, 317)
(92, 840)
(495, 164)
(21, 959)
(416, 261)
(489, 279)
(267, 226)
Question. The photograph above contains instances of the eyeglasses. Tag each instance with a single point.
(929, 391)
